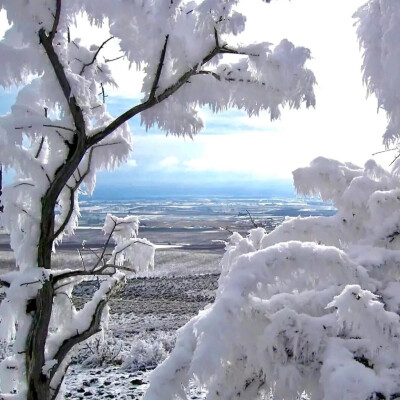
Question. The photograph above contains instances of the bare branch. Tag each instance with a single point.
(251, 219)
(398, 155)
(105, 246)
(103, 93)
(216, 38)
(107, 60)
(24, 183)
(30, 283)
(82, 260)
(384, 151)
(95, 55)
(227, 50)
(226, 229)
(90, 250)
(159, 69)
(216, 76)
(40, 147)
(58, 127)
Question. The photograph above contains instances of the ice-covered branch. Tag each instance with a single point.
(69, 214)
(95, 55)
(105, 246)
(127, 115)
(62, 79)
(56, 20)
(95, 308)
(159, 69)
(102, 271)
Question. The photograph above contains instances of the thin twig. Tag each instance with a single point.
(95, 55)
(29, 283)
(40, 147)
(398, 155)
(251, 219)
(58, 127)
(24, 183)
(107, 60)
(226, 229)
(82, 260)
(384, 151)
(105, 245)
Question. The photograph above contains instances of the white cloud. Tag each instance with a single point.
(132, 163)
(168, 162)
(343, 126)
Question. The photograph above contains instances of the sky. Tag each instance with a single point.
(237, 151)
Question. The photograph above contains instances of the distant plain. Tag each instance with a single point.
(190, 235)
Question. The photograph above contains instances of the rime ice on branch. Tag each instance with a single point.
(58, 135)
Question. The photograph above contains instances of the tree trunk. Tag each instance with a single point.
(1, 188)
(38, 383)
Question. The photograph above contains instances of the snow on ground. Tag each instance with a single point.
(144, 317)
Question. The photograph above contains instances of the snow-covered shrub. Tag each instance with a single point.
(101, 350)
(149, 350)
(310, 308)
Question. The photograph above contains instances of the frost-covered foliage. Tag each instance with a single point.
(171, 42)
(149, 351)
(310, 307)
(59, 134)
(378, 24)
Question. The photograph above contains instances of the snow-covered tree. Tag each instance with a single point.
(58, 135)
(312, 308)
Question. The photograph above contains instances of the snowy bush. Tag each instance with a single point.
(149, 350)
(101, 350)
(317, 315)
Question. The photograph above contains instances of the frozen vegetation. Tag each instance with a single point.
(59, 134)
(308, 309)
